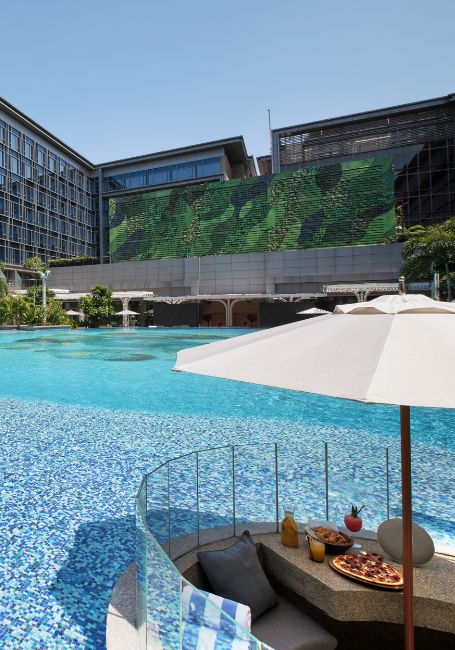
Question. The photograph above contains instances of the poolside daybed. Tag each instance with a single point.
(356, 615)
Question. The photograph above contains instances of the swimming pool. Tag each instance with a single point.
(86, 413)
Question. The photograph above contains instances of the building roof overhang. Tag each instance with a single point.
(234, 147)
(26, 121)
(366, 115)
(150, 296)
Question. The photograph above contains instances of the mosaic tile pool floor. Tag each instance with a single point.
(70, 471)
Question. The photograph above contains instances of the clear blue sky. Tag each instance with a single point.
(118, 78)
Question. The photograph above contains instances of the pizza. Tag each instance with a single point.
(368, 568)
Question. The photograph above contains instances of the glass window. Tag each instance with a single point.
(137, 179)
(212, 166)
(2, 157)
(200, 168)
(182, 172)
(41, 155)
(52, 164)
(62, 188)
(28, 148)
(439, 158)
(41, 198)
(41, 178)
(424, 159)
(62, 167)
(15, 139)
(28, 173)
(15, 209)
(160, 175)
(15, 184)
(2, 181)
(52, 184)
(2, 131)
(14, 164)
(29, 193)
(2, 205)
(112, 183)
(29, 215)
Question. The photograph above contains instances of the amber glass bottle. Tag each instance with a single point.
(289, 530)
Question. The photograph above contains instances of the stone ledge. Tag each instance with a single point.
(345, 600)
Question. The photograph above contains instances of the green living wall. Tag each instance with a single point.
(333, 205)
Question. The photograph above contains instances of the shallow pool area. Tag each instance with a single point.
(85, 414)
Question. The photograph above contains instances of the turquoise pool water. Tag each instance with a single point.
(86, 413)
(130, 370)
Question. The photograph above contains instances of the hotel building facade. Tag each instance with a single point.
(197, 225)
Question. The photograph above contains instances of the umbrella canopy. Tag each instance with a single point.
(312, 311)
(71, 312)
(126, 312)
(391, 350)
(387, 359)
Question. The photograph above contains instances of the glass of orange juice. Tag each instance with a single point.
(316, 550)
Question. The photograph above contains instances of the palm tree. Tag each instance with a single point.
(6, 310)
(431, 251)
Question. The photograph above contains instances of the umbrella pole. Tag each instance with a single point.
(406, 500)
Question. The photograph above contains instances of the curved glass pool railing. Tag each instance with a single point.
(212, 494)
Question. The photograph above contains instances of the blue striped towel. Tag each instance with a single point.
(205, 609)
(201, 637)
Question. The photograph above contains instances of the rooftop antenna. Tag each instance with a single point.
(270, 130)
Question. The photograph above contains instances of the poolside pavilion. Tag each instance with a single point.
(231, 309)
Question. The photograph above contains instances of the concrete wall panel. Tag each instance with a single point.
(304, 270)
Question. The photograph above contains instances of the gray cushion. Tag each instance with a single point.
(236, 573)
(287, 628)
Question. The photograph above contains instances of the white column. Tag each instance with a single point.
(125, 303)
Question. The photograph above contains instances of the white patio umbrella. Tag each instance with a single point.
(312, 311)
(392, 350)
(126, 312)
(71, 312)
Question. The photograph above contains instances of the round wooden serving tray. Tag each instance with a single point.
(364, 581)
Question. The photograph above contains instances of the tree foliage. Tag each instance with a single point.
(3, 288)
(27, 310)
(430, 250)
(33, 264)
(98, 306)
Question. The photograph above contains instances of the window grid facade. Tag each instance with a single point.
(178, 172)
(47, 205)
(421, 143)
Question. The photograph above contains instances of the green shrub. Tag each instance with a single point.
(79, 260)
